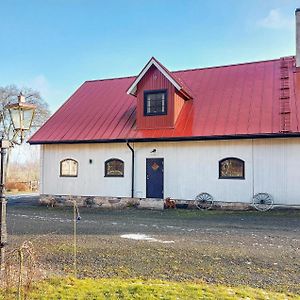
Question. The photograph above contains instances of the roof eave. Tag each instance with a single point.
(174, 139)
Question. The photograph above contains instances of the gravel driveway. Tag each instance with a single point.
(233, 248)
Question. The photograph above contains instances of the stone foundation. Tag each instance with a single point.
(217, 205)
(126, 202)
(102, 202)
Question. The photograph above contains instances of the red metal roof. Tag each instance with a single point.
(260, 98)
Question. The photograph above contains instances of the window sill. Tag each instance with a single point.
(154, 114)
(235, 178)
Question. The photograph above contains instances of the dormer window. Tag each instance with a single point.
(155, 102)
(160, 96)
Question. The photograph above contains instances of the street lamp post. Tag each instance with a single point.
(21, 115)
(3, 232)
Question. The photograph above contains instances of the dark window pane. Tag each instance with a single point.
(114, 167)
(231, 168)
(155, 103)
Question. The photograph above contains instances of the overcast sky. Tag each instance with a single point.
(55, 45)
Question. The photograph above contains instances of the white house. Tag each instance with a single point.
(230, 131)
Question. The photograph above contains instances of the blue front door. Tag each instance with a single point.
(155, 178)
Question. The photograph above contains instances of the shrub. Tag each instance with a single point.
(20, 186)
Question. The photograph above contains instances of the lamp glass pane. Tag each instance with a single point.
(16, 118)
(27, 118)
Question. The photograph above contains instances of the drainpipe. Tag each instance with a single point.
(132, 169)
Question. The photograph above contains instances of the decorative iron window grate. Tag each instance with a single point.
(231, 168)
(114, 168)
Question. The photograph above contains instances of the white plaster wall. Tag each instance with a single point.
(90, 180)
(276, 169)
(271, 165)
(192, 167)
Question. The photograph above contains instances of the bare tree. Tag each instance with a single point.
(9, 94)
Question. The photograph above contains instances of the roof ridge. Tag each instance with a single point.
(236, 64)
(201, 68)
(113, 78)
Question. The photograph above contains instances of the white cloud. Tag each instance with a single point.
(276, 20)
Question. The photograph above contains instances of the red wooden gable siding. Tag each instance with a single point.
(178, 105)
(230, 101)
(154, 80)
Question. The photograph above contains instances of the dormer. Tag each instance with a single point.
(160, 96)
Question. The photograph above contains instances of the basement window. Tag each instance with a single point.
(68, 168)
(155, 102)
(114, 168)
(231, 168)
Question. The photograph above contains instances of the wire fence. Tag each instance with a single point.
(20, 269)
(27, 263)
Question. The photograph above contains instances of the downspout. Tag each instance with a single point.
(132, 169)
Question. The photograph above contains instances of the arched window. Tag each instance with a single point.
(68, 168)
(231, 168)
(114, 168)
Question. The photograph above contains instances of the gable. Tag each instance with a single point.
(154, 81)
(132, 90)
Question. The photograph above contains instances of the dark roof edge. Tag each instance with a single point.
(174, 139)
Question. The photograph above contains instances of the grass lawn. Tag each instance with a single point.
(71, 288)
